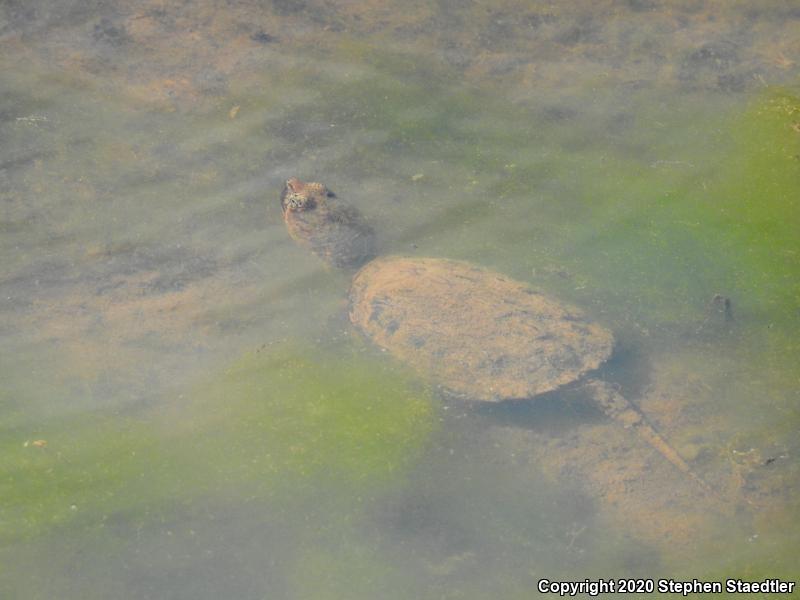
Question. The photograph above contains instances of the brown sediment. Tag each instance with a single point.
(178, 58)
(112, 327)
(616, 406)
(632, 492)
(634, 489)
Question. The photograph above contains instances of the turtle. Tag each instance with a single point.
(478, 333)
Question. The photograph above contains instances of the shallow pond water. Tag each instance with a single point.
(185, 410)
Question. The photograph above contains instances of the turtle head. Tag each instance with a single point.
(298, 196)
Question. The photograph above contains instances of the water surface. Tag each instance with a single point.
(185, 410)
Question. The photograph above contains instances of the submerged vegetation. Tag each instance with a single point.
(278, 424)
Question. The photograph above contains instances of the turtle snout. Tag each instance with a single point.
(297, 202)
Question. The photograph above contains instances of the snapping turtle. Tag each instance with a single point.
(479, 333)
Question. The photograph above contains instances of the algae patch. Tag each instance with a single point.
(280, 424)
(306, 414)
(762, 184)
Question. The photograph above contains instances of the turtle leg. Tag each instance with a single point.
(618, 408)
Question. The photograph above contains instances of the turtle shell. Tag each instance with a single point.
(475, 331)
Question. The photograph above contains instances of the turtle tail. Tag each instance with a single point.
(618, 408)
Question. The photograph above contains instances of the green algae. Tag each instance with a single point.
(278, 424)
(307, 413)
(763, 213)
(92, 466)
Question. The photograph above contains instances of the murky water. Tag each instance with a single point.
(185, 411)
